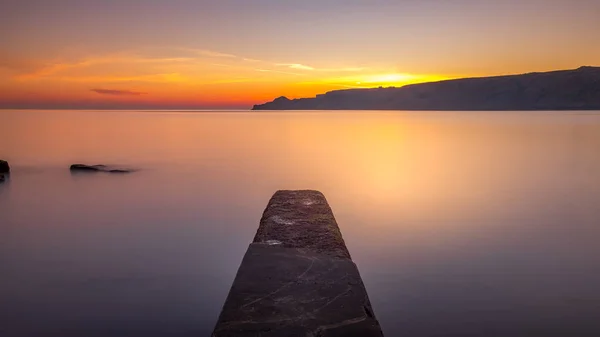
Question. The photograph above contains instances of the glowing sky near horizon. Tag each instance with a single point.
(235, 53)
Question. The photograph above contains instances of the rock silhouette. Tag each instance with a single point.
(97, 168)
(577, 89)
(4, 167)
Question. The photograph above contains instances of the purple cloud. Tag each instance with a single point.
(117, 92)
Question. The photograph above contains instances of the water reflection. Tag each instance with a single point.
(462, 224)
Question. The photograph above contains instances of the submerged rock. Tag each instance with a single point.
(82, 167)
(97, 168)
(2, 178)
(4, 168)
(119, 171)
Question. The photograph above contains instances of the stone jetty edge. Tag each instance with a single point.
(297, 277)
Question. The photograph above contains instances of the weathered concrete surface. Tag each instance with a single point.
(297, 278)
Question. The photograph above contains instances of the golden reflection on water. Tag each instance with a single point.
(473, 198)
(422, 161)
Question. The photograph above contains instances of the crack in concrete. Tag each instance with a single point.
(332, 300)
(319, 331)
(312, 263)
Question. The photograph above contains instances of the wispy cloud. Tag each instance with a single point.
(54, 68)
(117, 92)
(211, 53)
(278, 72)
(152, 78)
(58, 68)
(170, 65)
(295, 66)
(239, 80)
(299, 66)
(17, 63)
(224, 65)
(342, 69)
(165, 60)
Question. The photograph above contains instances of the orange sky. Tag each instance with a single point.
(233, 54)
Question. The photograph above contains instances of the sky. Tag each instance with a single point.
(200, 54)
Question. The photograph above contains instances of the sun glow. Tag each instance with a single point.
(186, 78)
(390, 78)
(377, 80)
(398, 79)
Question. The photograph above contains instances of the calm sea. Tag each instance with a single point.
(461, 223)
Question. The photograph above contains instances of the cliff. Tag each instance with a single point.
(577, 89)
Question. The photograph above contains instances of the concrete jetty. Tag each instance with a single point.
(297, 277)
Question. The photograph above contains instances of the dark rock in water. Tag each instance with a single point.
(82, 167)
(119, 171)
(97, 168)
(2, 178)
(4, 168)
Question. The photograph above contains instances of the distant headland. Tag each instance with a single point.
(577, 89)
